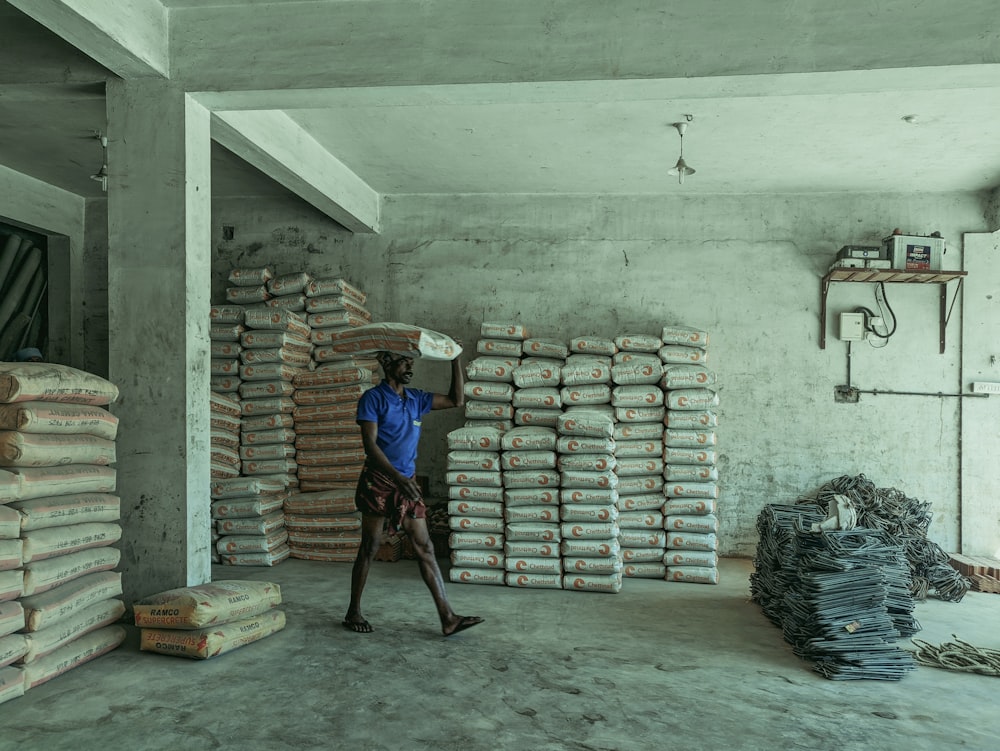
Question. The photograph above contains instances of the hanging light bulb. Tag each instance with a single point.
(681, 169)
(101, 175)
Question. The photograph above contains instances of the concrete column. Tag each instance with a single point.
(159, 215)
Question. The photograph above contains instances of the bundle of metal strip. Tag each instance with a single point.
(905, 520)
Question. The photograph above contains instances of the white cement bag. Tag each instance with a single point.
(78, 508)
(692, 337)
(10, 522)
(585, 512)
(11, 684)
(204, 643)
(551, 348)
(652, 519)
(474, 478)
(542, 398)
(638, 431)
(227, 332)
(268, 406)
(503, 330)
(502, 425)
(250, 525)
(51, 417)
(335, 286)
(687, 377)
(475, 541)
(477, 558)
(692, 574)
(588, 479)
(636, 372)
(42, 575)
(477, 410)
(250, 508)
(586, 423)
(250, 277)
(474, 460)
(475, 508)
(688, 438)
(536, 581)
(585, 394)
(40, 544)
(585, 445)
(267, 436)
(400, 338)
(277, 320)
(11, 556)
(638, 358)
(496, 369)
(499, 347)
(529, 439)
(49, 382)
(296, 303)
(474, 493)
(267, 451)
(689, 456)
(44, 450)
(226, 314)
(224, 404)
(587, 548)
(285, 355)
(269, 371)
(521, 459)
(204, 605)
(479, 524)
(236, 544)
(690, 473)
(580, 370)
(640, 414)
(611, 583)
(638, 343)
(536, 417)
(631, 449)
(592, 345)
(535, 531)
(11, 584)
(689, 506)
(304, 523)
(11, 617)
(287, 284)
(677, 354)
(578, 565)
(461, 575)
(594, 496)
(530, 478)
(523, 565)
(704, 558)
(639, 466)
(708, 490)
(692, 541)
(704, 523)
(531, 497)
(537, 375)
(637, 396)
(267, 339)
(588, 530)
(224, 367)
(73, 654)
(642, 538)
(244, 486)
(644, 570)
(333, 376)
(640, 502)
(530, 549)
(474, 439)
(489, 391)
(66, 600)
(640, 484)
(517, 514)
(271, 558)
(224, 350)
(271, 467)
(95, 616)
(577, 462)
(642, 555)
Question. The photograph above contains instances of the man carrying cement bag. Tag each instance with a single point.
(387, 494)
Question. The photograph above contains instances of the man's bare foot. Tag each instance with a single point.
(461, 623)
(357, 623)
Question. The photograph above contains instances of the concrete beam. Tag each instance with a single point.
(131, 39)
(277, 146)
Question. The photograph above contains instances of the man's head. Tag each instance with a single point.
(396, 367)
(28, 354)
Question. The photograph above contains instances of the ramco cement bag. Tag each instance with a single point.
(49, 382)
(206, 604)
(204, 643)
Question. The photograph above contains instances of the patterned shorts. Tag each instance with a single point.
(378, 495)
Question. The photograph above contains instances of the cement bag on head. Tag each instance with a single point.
(499, 347)
(691, 419)
(540, 397)
(334, 286)
(640, 484)
(628, 449)
(226, 314)
(687, 377)
(552, 348)
(537, 416)
(529, 439)
(530, 478)
(537, 581)
(475, 524)
(210, 642)
(638, 373)
(49, 417)
(73, 654)
(640, 414)
(477, 558)
(586, 423)
(692, 574)
(520, 459)
(489, 391)
(48, 382)
(592, 345)
(531, 497)
(475, 460)
(530, 549)
(475, 493)
(502, 330)
(77, 508)
(611, 583)
(517, 514)
(537, 375)
(400, 338)
(537, 531)
(637, 396)
(461, 575)
(707, 490)
(491, 369)
(475, 541)
(651, 570)
(640, 502)
(638, 431)
(475, 508)
(684, 335)
(676, 354)
(584, 369)
(474, 439)
(206, 604)
(46, 450)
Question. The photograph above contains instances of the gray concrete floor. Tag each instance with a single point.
(658, 666)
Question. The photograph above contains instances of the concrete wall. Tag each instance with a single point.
(745, 268)
(94, 307)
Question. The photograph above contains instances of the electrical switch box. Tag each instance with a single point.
(852, 327)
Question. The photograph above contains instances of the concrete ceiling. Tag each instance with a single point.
(888, 130)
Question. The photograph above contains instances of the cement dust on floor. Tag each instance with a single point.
(658, 666)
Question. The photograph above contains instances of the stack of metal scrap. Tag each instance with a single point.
(841, 598)
(905, 520)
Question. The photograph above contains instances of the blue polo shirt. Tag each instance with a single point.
(398, 419)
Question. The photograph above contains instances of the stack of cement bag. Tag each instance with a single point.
(323, 525)
(638, 401)
(224, 331)
(209, 619)
(22, 290)
(225, 413)
(249, 518)
(475, 506)
(57, 584)
(690, 458)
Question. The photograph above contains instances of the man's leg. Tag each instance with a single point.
(371, 538)
(451, 623)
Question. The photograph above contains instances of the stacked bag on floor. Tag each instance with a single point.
(323, 525)
(209, 619)
(248, 513)
(59, 594)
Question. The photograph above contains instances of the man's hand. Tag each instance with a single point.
(409, 487)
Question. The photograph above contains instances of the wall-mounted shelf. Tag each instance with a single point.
(894, 276)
